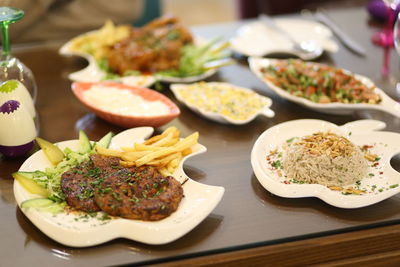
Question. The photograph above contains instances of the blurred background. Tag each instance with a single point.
(63, 19)
(195, 12)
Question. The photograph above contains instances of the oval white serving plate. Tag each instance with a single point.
(258, 39)
(71, 230)
(92, 73)
(387, 104)
(265, 111)
(363, 132)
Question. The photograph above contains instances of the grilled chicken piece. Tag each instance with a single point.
(152, 48)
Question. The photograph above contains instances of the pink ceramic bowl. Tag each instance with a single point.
(128, 121)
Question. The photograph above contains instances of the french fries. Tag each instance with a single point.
(164, 151)
(97, 42)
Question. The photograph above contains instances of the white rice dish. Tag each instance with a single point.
(324, 158)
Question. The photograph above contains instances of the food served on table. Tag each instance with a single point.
(324, 158)
(126, 106)
(164, 151)
(123, 102)
(319, 83)
(103, 184)
(324, 148)
(97, 43)
(163, 46)
(152, 48)
(223, 99)
(134, 183)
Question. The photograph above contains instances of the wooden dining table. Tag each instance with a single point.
(250, 226)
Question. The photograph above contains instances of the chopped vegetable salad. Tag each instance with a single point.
(319, 83)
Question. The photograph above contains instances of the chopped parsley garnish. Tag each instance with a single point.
(290, 140)
(104, 217)
(296, 181)
(116, 196)
(277, 164)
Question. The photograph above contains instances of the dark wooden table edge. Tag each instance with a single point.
(375, 247)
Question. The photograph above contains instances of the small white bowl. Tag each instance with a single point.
(128, 121)
(265, 111)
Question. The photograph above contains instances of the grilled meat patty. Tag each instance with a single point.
(133, 193)
(139, 193)
(76, 185)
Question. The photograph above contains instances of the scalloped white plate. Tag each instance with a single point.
(387, 104)
(265, 111)
(257, 39)
(92, 73)
(71, 230)
(362, 132)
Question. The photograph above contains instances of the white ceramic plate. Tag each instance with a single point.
(265, 111)
(258, 39)
(387, 104)
(73, 230)
(363, 132)
(92, 73)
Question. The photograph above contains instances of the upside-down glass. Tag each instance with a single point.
(396, 34)
(396, 39)
(10, 67)
(385, 37)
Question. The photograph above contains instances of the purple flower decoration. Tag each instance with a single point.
(9, 106)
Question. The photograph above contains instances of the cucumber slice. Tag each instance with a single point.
(55, 208)
(84, 143)
(43, 204)
(36, 203)
(30, 185)
(32, 175)
(52, 152)
(105, 140)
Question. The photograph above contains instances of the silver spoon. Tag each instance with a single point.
(305, 50)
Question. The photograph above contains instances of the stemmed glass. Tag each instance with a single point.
(10, 67)
(396, 38)
(385, 37)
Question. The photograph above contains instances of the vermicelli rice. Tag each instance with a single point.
(326, 159)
